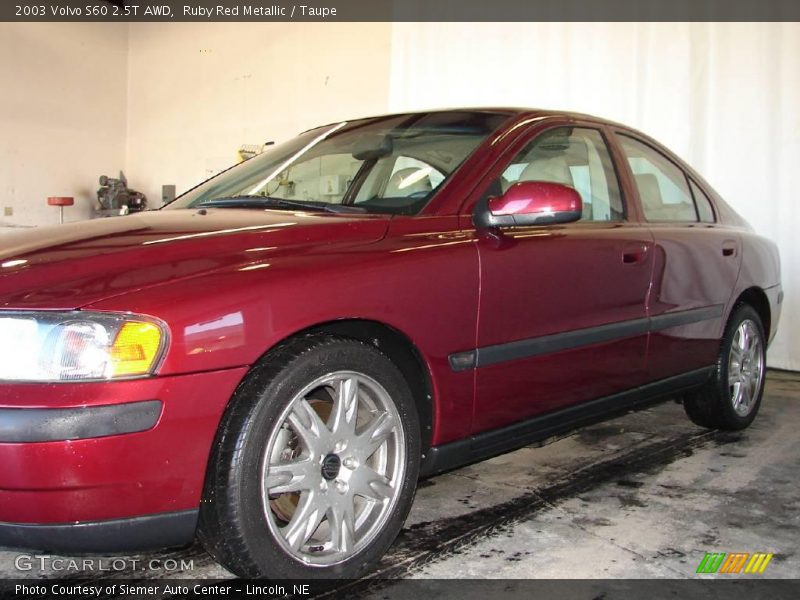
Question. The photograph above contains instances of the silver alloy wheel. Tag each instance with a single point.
(745, 367)
(333, 468)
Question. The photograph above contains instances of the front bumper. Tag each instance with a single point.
(133, 534)
(107, 466)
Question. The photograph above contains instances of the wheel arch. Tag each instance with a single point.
(400, 350)
(755, 297)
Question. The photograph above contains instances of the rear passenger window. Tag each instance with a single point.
(704, 210)
(663, 187)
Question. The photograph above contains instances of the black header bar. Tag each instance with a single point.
(111, 11)
(733, 588)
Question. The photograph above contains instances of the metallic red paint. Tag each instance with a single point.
(153, 471)
(231, 284)
(536, 198)
(552, 280)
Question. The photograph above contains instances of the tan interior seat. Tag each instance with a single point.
(653, 202)
(547, 168)
(649, 193)
(406, 182)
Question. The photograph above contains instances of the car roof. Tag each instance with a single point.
(511, 111)
(518, 112)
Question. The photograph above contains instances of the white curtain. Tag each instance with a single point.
(724, 96)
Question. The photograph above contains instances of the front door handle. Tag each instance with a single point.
(728, 250)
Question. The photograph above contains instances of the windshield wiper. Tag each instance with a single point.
(255, 201)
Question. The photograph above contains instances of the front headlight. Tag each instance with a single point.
(78, 345)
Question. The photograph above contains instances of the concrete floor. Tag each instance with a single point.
(642, 496)
(646, 495)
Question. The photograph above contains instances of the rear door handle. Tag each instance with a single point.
(635, 253)
(729, 247)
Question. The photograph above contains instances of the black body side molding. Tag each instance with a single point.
(19, 425)
(569, 340)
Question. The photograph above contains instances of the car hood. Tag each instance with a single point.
(70, 266)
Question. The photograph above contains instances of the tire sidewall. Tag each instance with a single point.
(734, 420)
(270, 402)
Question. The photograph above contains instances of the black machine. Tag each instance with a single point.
(114, 197)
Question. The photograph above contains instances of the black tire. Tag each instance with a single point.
(233, 525)
(712, 406)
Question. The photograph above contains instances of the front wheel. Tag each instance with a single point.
(732, 397)
(316, 464)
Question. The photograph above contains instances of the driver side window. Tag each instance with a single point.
(572, 156)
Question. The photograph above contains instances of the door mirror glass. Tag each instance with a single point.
(530, 203)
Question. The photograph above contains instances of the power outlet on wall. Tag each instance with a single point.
(8, 211)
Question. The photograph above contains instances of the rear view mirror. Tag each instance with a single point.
(372, 147)
(529, 203)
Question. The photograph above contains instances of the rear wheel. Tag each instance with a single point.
(316, 464)
(731, 399)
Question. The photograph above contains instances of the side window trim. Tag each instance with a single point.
(611, 147)
(691, 195)
(694, 185)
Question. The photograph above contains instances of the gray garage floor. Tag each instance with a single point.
(645, 495)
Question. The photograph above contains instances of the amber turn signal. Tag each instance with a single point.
(136, 349)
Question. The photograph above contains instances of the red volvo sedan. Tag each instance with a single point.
(271, 361)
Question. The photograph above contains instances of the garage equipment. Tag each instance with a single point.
(115, 198)
(248, 151)
(61, 202)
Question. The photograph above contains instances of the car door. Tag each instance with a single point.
(562, 307)
(696, 261)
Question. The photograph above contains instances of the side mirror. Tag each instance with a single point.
(529, 203)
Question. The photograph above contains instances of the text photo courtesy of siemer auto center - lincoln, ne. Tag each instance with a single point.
(395, 299)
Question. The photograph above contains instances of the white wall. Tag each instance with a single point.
(200, 90)
(724, 96)
(62, 115)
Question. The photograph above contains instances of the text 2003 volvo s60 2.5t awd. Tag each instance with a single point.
(274, 359)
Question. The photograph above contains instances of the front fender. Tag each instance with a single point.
(422, 284)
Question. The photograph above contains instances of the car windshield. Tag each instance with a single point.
(388, 164)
